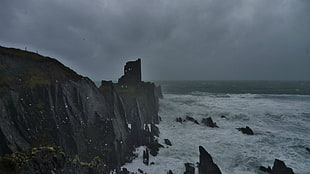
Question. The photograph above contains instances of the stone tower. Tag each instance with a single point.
(132, 73)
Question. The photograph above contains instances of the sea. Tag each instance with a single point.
(278, 112)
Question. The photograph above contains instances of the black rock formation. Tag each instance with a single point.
(140, 171)
(308, 149)
(206, 164)
(168, 142)
(146, 157)
(154, 147)
(124, 171)
(209, 122)
(189, 168)
(191, 119)
(265, 169)
(179, 119)
(279, 167)
(169, 172)
(44, 102)
(246, 130)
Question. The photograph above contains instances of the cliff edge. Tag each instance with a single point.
(43, 102)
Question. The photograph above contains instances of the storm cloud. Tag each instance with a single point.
(176, 39)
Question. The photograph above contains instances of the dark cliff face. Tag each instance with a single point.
(43, 102)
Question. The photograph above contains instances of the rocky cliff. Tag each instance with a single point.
(42, 102)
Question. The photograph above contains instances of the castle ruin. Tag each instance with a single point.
(132, 73)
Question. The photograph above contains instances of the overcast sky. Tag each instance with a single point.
(176, 39)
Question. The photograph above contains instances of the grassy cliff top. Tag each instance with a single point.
(28, 69)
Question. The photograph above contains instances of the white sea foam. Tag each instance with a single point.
(281, 124)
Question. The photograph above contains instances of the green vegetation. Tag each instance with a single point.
(35, 77)
(15, 162)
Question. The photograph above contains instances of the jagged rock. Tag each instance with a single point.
(247, 130)
(152, 163)
(154, 130)
(191, 119)
(265, 169)
(154, 147)
(169, 172)
(124, 171)
(308, 149)
(168, 142)
(209, 122)
(206, 164)
(179, 119)
(146, 157)
(279, 167)
(141, 171)
(189, 168)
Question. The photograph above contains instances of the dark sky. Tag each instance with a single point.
(176, 39)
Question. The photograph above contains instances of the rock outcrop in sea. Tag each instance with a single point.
(44, 103)
(206, 164)
(279, 167)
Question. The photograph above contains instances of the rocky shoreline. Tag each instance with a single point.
(56, 121)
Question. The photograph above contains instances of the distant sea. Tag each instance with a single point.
(277, 111)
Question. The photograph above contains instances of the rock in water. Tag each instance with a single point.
(189, 168)
(168, 142)
(265, 169)
(191, 119)
(141, 171)
(246, 130)
(308, 149)
(169, 172)
(179, 119)
(124, 171)
(146, 157)
(279, 167)
(206, 164)
(209, 122)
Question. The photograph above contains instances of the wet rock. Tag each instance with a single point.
(246, 130)
(154, 130)
(154, 147)
(209, 122)
(279, 167)
(146, 157)
(152, 163)
(124, 171)
(168, 142)
(308, 149)
(265, 169)
(169, 172)
(223, 116)
(206, 164)
(189, 168)
(141, 171)
(191, 119)
(179, 119)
